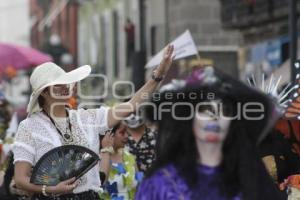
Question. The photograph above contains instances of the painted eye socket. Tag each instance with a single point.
(219, 109)
(227, 110)
(210, 113)
(207, 109)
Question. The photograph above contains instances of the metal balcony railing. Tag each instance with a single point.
(243, 13)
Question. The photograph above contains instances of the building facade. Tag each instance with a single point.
(15, 29)
(264, 26)
(156, 23)
(203, 19)
(15, 14)
(55, 17)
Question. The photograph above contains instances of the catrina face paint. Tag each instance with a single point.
(209, 126)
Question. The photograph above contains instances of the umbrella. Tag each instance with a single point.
(20, 57)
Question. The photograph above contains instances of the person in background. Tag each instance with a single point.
(141, 141)
(5, 115)
(279, 159)
(118, 166)
(55, 48)
(130, 38)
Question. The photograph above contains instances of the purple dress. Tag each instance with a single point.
(165, 184)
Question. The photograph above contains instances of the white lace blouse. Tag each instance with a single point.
(37, 135)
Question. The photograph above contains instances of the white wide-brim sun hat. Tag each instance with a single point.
(49, 74)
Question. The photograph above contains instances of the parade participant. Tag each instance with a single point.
(5, 115)
(206, 146)
(49, 124)
(141, 141)
(278, 151)
(278, 157)
(118, 165)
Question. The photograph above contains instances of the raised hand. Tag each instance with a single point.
(108, 141)
(166, 62)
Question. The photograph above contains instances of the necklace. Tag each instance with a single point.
(67, 134)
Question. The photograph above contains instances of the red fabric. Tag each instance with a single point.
(129, 29)
(283, 127)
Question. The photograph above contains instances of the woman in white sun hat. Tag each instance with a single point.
(49, 124)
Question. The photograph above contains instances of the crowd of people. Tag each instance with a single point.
(194, 146)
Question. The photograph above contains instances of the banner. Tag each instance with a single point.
(184, 46)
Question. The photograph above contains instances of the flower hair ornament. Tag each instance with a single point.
(175, 84)
(204, 75)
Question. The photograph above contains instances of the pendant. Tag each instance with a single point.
(68, 137)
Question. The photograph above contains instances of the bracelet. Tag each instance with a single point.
(44, 191)
(107, 150)
(155, 78)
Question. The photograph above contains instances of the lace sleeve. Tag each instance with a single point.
(24, 145)
(95, 118)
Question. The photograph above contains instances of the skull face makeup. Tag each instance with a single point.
(209, 125)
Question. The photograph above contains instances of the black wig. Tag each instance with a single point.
(242, 170)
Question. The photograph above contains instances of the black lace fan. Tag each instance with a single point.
(62, 163)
